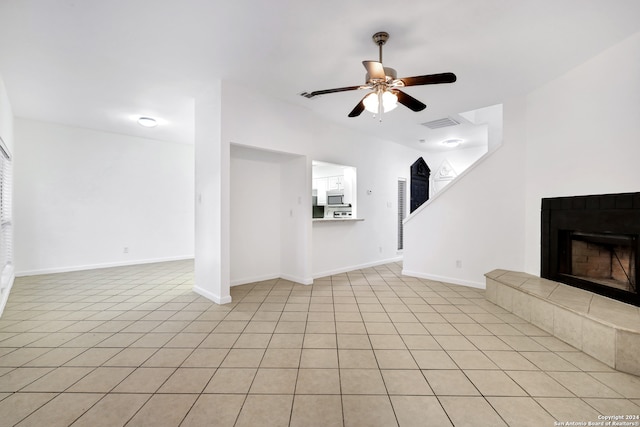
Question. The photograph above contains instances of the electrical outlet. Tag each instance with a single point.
(125, 250)
(458, 263)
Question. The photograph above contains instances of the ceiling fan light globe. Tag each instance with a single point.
(389, 101)
(371, 103)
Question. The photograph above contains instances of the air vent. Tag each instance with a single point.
(440, 123)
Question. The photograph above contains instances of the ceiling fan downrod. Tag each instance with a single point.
(380, 38)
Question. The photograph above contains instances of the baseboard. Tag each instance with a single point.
(254, 279)
(452, 280)
(101, 265)
(301, 280)
(211, 296)
(309, 280)
(355, 267)
(4, 293)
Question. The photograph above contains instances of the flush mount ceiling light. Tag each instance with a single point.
(451, 142)
(147, 122)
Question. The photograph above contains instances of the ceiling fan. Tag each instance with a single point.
(384, 86)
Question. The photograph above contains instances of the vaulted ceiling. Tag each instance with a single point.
(97, 63)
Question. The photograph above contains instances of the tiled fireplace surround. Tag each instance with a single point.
(593, 243)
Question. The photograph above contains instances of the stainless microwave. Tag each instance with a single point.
(335, 199)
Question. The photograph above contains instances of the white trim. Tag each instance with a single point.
(355, 267)
(4, 293)
(452, 280)
(211, 296)
(300, 280)
(102, 265)
(238, 282)
(309, 280)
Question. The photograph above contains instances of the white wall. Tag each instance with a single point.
(486, 137)
(583, 135)
(255, 219)
(340, 246)
(575, 135)
(270, 208)
(295, 224)
(478, 220)
(277, 126)
(6, 117)
(82, 196)
(491, 117)
(459, 159)
(212, 204)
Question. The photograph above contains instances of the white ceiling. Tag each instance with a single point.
(97, 63)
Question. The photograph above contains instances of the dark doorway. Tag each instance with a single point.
(420, 173)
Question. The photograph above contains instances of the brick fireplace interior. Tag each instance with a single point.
(592, 242)
(607, 260)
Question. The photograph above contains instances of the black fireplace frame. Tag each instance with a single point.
(614, 214)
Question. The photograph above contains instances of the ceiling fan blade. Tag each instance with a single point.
(374, 69)
(326, 91)
(409, 101)
(430, 79)
(358, 108)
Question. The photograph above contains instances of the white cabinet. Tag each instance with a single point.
(330, 183)
(321, 184)
(336, 182)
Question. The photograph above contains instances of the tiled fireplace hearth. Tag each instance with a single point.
(587, 292)
(606, 329)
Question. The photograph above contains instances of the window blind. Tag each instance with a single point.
(402, 210)
(6, 225)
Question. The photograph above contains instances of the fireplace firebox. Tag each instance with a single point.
(593, 243)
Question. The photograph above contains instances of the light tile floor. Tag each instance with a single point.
(135, 346)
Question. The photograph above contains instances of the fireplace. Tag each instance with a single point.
(593, 243)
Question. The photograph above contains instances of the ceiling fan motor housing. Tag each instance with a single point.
(389, 72)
